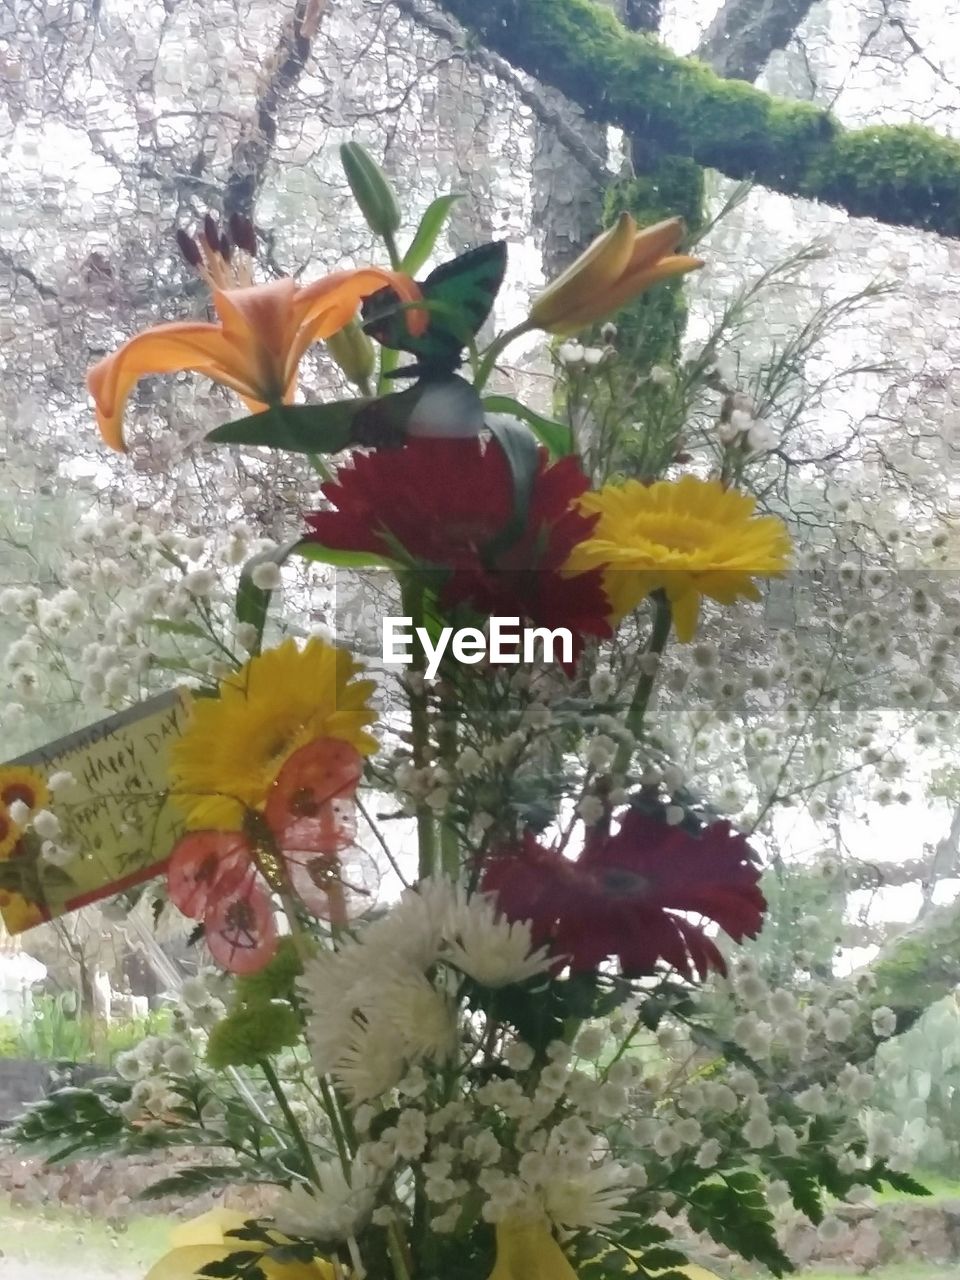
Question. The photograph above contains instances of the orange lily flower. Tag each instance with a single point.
(262, 334)
(617, 267)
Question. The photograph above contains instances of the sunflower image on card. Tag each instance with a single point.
(88, 816)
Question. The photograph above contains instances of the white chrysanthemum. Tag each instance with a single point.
(487, 947)
(335, 1210)
(394, 1022)
(587, 1201)
(424, 1019)
(411, 931)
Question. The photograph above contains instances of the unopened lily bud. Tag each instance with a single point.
(616, 268)
(353, 352)
(371, 190)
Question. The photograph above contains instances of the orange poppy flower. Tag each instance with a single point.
(263, 330)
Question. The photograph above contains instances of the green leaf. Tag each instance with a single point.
(902, 1181)
(296, 428)
(244, 1265)
(431, 224)
(342, 559)
(193, 1182)
(556, 437)
(520, 445)
(252, 602)
(169, 627)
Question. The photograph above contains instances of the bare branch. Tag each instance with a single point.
(251, 154)
(744, 33)
(45, 291)
(529, 96)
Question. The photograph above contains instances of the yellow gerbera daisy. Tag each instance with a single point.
(689, 538)
(18, 782)
(18, 912)
(9, 834)
(237, 743)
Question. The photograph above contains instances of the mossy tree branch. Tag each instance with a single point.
(920, 966)
(904, 175)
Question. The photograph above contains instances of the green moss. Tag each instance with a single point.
(911, 172)
(903, 175)
(920, 968)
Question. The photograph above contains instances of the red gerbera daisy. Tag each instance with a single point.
(446, 501)
(629, 895)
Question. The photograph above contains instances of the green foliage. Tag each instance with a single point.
(299, 428)
(52, 1033)
(263, 1019)
(918, 1086)
(541, 1012)
(555, 437)
(902, 174)
(733, 1210)
(252, 602)
(431, 224)
(796, 897)
(73, 1122)
(915, 971)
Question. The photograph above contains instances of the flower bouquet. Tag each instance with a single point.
(537, 1056)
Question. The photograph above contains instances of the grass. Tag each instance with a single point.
(940, 1188)
(902, 1271)
(38, 1233)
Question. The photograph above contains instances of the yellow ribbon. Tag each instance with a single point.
(204, 1239)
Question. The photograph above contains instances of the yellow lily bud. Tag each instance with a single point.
(353, 351)
(204, 1239)
(617, 267)
(526, 1250)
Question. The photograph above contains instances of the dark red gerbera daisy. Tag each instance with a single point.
(446, 502)
(630, 896)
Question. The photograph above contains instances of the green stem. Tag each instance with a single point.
(395, 258)
(662, 619)
(333, 1115)
(397, 1253)
(411, 594)
(295, 1131)
(319, 466)
(498, 345)
(447, 742)
(388, 362)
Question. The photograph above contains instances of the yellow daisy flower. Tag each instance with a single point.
(9, 835)
(237, 743)
(18, 912)
(18, 782)
(689, 538)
